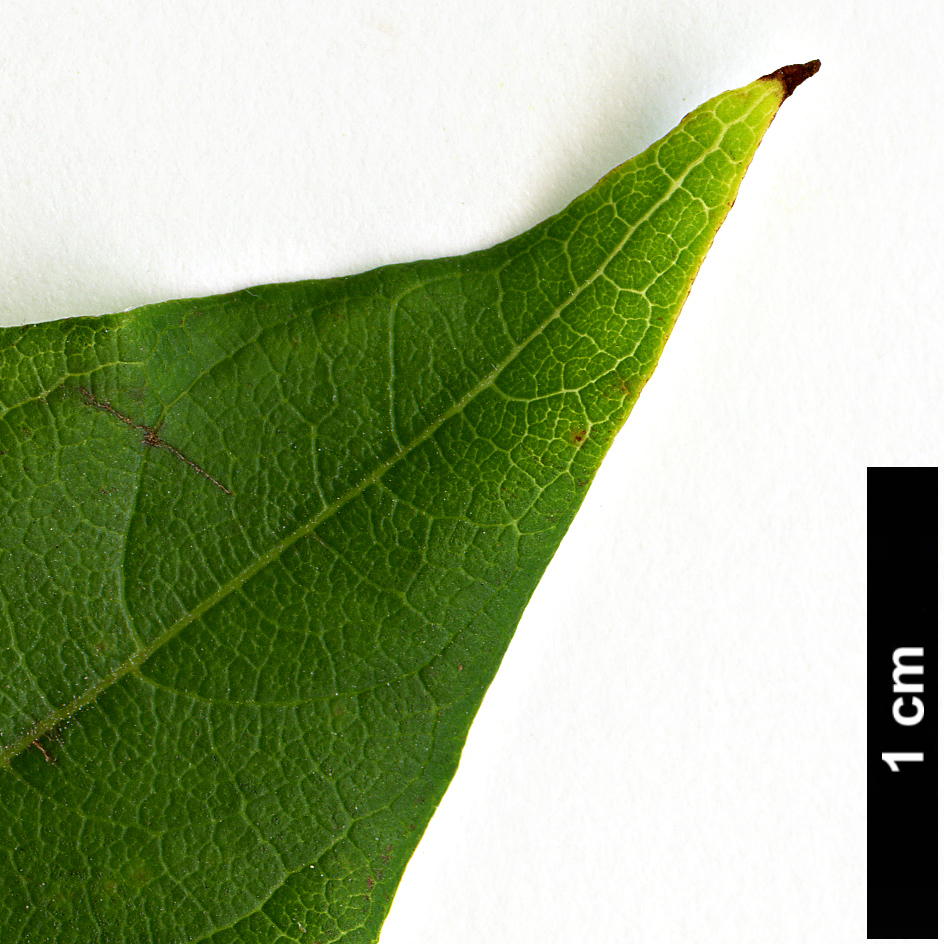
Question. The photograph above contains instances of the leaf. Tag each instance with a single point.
(261, 553)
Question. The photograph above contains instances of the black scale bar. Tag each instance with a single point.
(902, 703)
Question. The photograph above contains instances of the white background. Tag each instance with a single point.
(674, 748)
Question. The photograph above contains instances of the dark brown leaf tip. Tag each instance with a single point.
(791, 76)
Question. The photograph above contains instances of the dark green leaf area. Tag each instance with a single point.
(261, 554)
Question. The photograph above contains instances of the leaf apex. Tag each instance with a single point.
(792, 76)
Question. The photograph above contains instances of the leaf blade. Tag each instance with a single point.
(388, 462)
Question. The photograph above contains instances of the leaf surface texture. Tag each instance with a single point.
(261, 554)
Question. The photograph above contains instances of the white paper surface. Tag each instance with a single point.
(674, 749)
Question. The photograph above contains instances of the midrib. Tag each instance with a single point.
(237, 581)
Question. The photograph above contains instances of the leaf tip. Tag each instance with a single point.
(792, 76)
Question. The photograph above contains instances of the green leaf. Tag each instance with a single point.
(261, 554)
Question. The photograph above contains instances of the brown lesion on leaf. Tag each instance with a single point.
(149, 436)
(579, 436)
(189, 315)
(621, 388)
(38, 744)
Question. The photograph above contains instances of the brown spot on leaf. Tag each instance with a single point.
(149, 435)
(49, 759)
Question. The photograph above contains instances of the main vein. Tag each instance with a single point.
(238, 580)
